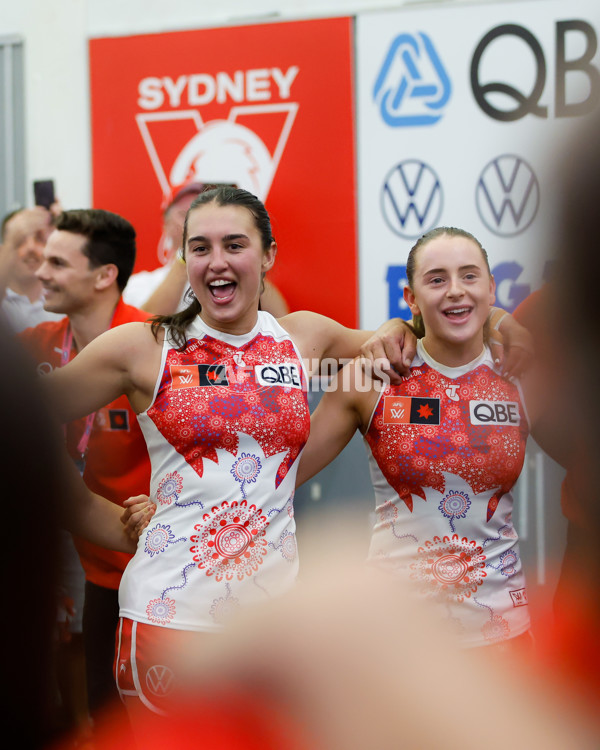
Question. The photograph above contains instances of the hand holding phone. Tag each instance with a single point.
(43, 191)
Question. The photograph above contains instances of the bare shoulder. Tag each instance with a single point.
(131, 349)
(128, 338)
(136, 350)
(135, 331)
(296, 322)
(311, 331)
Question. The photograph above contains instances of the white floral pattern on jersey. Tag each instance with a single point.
(169, 488)
(159, 538)
(161, 611)
(246, 470)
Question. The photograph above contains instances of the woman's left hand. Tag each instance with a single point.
(137, 512)
(512, 346)
(391, 349)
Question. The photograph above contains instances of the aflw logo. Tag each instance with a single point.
(398, 413)
(411, 410)
(508, 195)
(192, 376)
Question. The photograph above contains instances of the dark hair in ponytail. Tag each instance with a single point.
(177, 323)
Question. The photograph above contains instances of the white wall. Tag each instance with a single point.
(56, 63)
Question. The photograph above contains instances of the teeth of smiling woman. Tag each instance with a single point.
(221, 288)
(460, 311)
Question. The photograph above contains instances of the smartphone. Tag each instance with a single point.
(43, 192)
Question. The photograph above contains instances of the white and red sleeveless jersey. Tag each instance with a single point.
(225, 431)
(445, 448)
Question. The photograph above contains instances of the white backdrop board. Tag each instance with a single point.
(461, 114)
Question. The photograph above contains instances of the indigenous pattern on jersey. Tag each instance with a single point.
(446, 447)
(225, 431)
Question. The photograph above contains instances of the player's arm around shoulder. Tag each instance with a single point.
(122, 360)
(393, 345)
(318, 337)
(346, 406)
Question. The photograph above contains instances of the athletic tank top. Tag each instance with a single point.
(224, 432)
(445, 448)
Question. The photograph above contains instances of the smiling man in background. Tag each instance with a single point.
(24, 235)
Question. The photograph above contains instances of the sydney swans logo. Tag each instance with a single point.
(229, 150)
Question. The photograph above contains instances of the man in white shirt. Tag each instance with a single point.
(141, 286)
(24, 235)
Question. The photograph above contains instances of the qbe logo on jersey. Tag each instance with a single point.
(286, 374)
(412, 86)
(496, 413)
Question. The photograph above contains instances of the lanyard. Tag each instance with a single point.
(82, 446)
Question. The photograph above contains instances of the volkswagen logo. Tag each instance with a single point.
(411, 198)
(159, 679)
(507, 195)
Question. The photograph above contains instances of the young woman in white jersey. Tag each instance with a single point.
(219, 390)
(445, 447)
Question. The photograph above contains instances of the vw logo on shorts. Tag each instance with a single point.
(411, 198)
(412, 85)
(159, 679)
(507, 195)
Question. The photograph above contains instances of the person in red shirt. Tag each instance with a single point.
(570, 644)
(87, 261)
